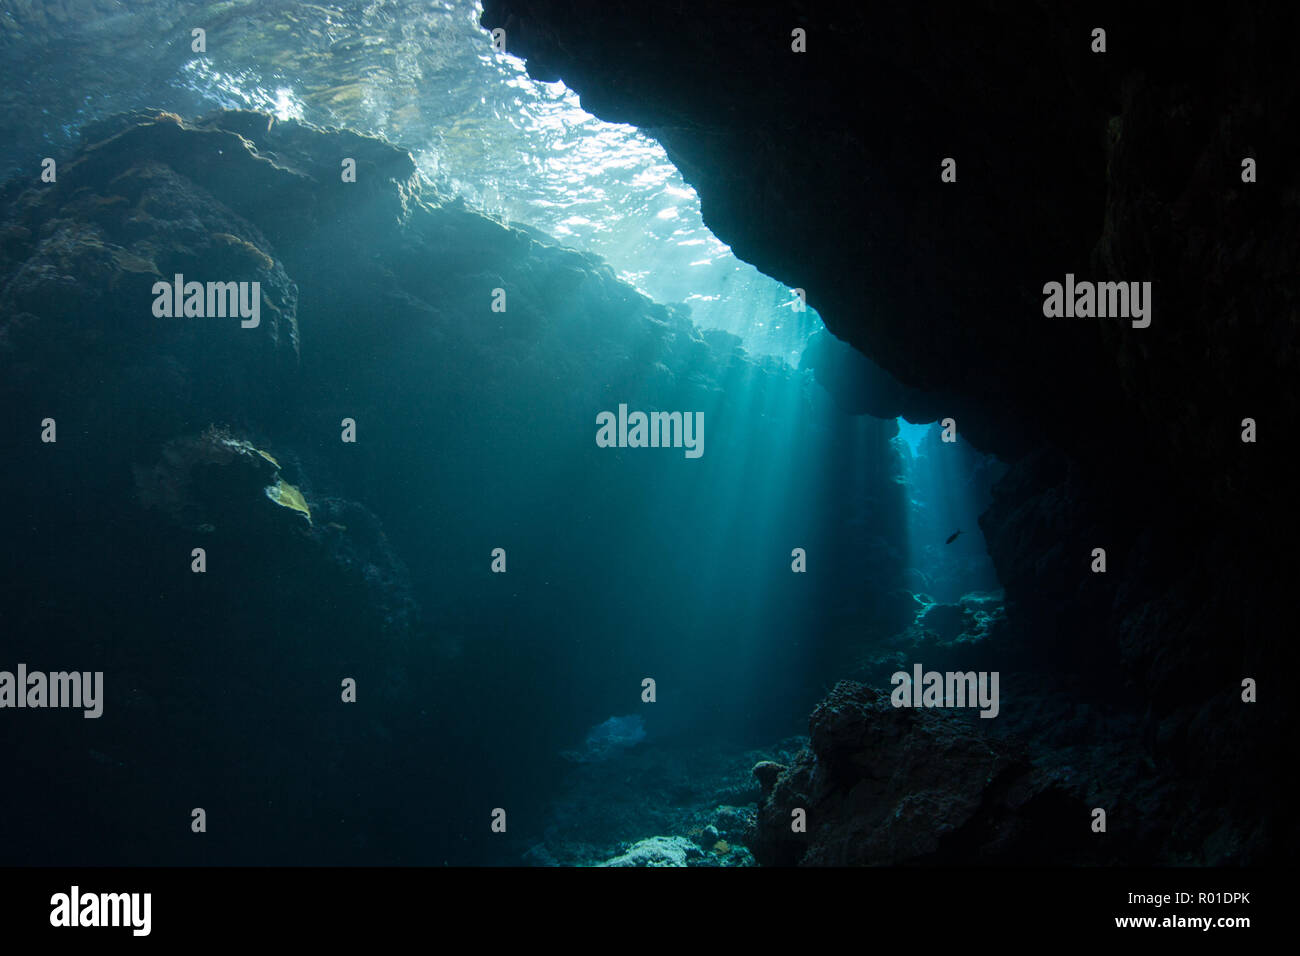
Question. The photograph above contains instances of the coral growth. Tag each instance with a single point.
(286, 495)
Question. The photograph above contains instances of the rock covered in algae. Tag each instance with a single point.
(288, 496)
(215, 478)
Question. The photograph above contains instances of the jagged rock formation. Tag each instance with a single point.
(880, 786)
(823, 169)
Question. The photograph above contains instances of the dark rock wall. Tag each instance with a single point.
(823, 170)
(881, 786)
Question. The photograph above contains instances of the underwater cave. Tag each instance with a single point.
(564, 433)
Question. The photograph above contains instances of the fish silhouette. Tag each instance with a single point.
(953, 537)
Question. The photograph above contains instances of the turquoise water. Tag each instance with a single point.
(423, 75)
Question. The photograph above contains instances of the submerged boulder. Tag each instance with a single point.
(217, 479)
(609, 739)
(884, 786)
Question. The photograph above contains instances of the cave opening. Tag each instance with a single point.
(604, 635)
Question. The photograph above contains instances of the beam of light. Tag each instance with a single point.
(425, 76)
(946, 490)
(912, 435)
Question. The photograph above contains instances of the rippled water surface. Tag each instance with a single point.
(421, 74)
